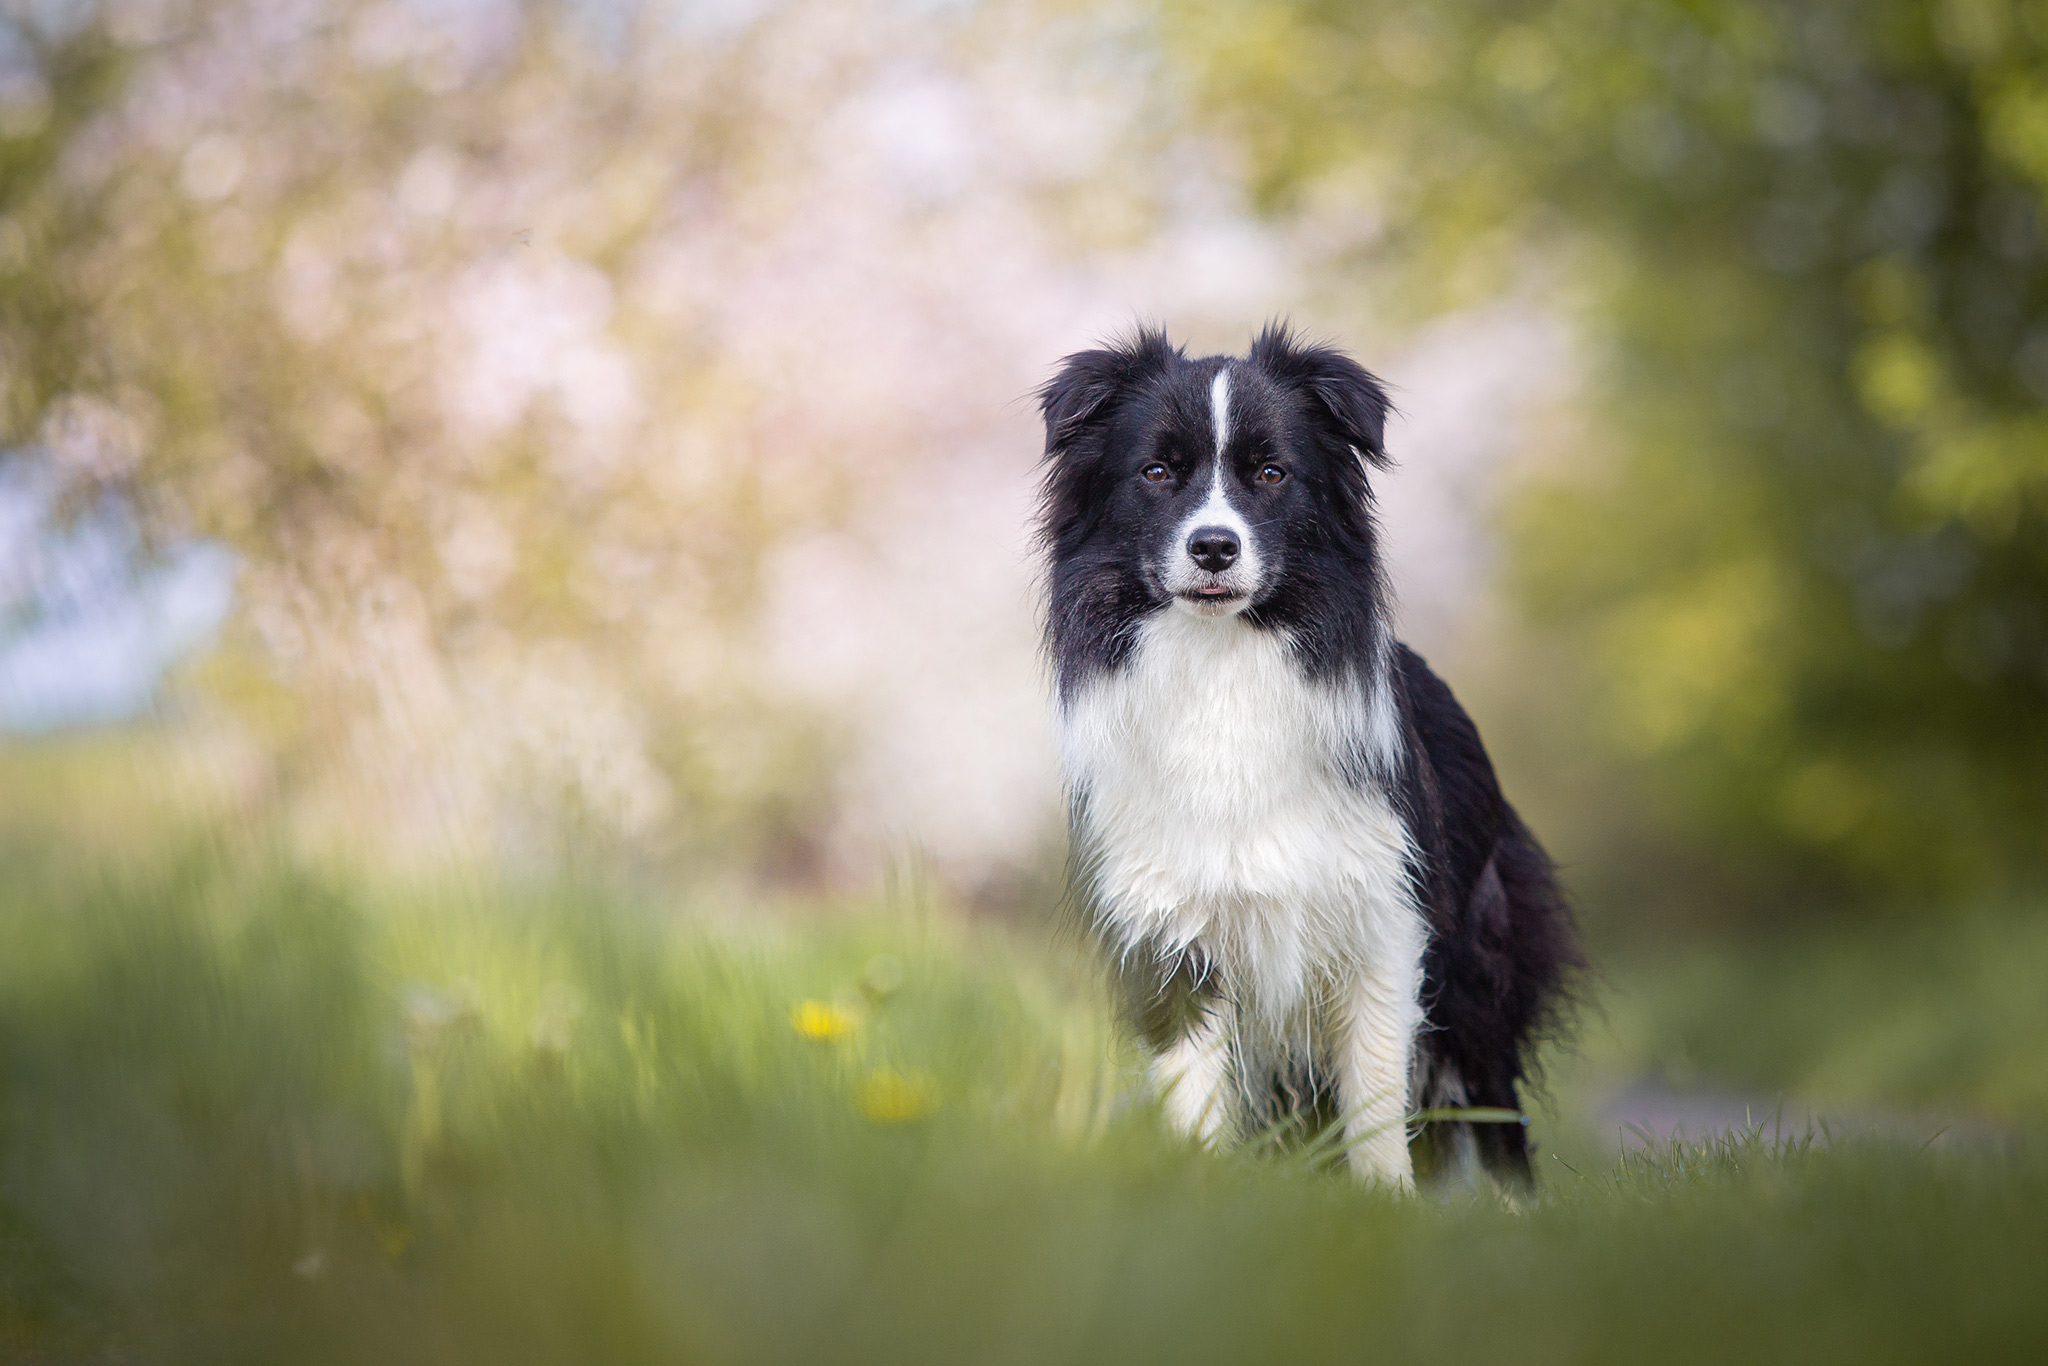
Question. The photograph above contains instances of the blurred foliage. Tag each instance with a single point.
(536, 357)
(1945, 1012)
(513, 346)
(1799, 536)
(54, 83)
(336, 286)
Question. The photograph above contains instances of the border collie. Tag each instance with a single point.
(1286, 832)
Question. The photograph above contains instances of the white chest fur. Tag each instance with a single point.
(1217, 809)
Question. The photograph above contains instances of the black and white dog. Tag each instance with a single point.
(1286, 831)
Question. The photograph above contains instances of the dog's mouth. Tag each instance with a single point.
(1213, 600)
(1206, 593)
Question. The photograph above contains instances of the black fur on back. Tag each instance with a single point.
(1503, 947)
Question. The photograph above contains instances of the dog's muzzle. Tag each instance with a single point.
(1213, 576)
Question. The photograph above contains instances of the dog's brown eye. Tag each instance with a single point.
(1156, 473)
(1271, 474)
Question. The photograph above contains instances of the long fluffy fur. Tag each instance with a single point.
(1287, 833)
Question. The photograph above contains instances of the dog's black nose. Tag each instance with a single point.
(1214, 548)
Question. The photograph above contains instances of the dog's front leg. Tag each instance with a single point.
(1383, 1012)
(1193, 1075)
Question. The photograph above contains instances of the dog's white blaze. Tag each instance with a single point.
(1180, 573)
(1217, 809)
(1219, 413)
(1216, 510)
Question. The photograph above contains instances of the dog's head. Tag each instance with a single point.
(1209, 485)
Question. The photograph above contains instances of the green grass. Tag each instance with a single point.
(253, 1113)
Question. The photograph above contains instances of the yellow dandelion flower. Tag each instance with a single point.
(823, 1021)
(890, 1097)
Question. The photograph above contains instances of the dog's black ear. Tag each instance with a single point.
(1077, 400)
(1345, 397)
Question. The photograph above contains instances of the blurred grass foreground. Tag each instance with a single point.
(256, 1110)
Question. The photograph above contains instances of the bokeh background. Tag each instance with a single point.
(591, 443)
(452, 424)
